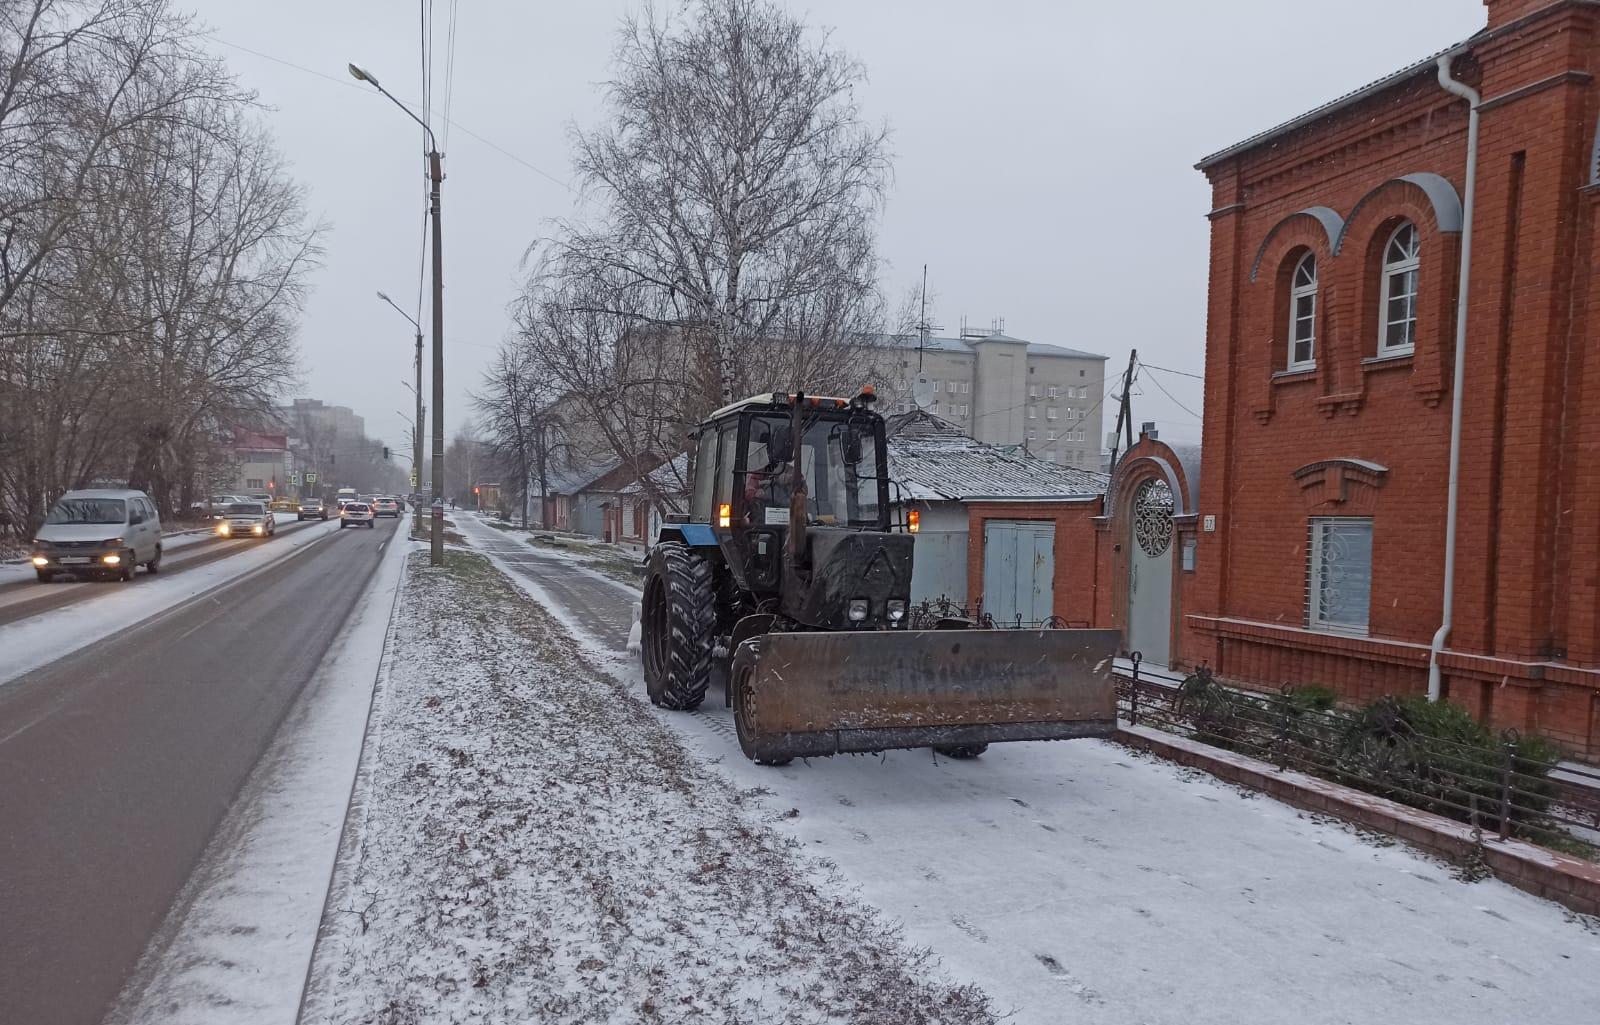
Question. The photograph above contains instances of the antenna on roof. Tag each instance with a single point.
(923, 327)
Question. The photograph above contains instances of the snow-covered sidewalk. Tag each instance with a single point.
(1085, 882)
(530, 843)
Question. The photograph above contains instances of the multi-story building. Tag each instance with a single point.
(1047, 400)
(1343, 352)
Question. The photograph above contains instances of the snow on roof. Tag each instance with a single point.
(1331, 107)
(965, 346)
(569, 480)
(933, 461)
(669, 478)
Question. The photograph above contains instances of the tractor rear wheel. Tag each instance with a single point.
(677, 623)
(741, 685)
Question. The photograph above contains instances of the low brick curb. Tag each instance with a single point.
(1562, 878)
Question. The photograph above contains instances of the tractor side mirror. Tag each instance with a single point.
(780, 444)
(852, 447)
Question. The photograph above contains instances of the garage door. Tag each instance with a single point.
(1019, 570)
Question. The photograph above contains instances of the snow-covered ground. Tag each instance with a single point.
(1083, 882)
(33, 642)
(532, 844)
(236, 946)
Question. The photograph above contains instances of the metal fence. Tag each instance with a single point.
(1503, 783)
(927, 615)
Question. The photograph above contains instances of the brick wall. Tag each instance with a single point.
(1281, 448)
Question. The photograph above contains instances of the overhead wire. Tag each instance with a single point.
(449, 68)
(348, 84)
(1157, 382)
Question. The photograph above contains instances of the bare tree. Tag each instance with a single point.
(736, 189)
(521, 422)
(153, 255)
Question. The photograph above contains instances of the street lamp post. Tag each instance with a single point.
(435, 178)
(417, 424)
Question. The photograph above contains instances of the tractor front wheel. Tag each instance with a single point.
(961, 750)
(741, 684)
(678, 621)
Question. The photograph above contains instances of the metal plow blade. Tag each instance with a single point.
(811, 694)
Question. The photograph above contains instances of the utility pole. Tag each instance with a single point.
(435, 178)
(1125, 410)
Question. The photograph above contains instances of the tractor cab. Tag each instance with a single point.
(793, 491)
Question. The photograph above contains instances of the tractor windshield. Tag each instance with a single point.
(839, 460)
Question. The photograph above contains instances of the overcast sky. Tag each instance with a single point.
(1044, 157)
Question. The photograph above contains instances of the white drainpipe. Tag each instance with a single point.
(1435, 685)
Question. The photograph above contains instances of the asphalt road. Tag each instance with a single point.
(118, 762)
(29, 597)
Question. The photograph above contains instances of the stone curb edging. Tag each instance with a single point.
(1571, 882)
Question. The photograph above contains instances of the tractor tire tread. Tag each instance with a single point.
(692, 622)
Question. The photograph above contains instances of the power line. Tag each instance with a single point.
(1168, 370)
(1157, 382)
(449, 69)
(347, 84)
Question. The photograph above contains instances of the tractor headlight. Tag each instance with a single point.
(858, 610)
(897, 610)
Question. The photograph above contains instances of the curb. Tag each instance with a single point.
(1571, 882)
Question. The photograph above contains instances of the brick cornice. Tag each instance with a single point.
(1562, 78)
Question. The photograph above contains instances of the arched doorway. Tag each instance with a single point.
(1150, 572)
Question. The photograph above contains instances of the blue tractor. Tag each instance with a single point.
(788, 579)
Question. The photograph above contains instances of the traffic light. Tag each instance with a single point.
(474, 489)
(386, 451)
(272, 485)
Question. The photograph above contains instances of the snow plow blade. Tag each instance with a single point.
(803, 695)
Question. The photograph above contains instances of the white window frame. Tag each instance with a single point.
(1050, 414)
(938, 386)
(1033, 413)
(1033, 391)
(1055, 392)
(1297, 292)
(1392, 269)
(1319, 616)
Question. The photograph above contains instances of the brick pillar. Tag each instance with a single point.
(1228, 273)
(1502, 12)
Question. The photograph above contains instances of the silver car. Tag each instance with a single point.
(100, 532)
(246, 519)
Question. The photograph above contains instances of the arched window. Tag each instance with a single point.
(1397, 329)
(1303, 314)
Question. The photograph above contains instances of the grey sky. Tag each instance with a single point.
(1044, 156)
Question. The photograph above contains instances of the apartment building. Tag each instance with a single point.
(1047, 400)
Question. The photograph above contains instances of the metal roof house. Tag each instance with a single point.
(999, 531)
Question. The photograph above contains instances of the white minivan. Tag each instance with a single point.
(98, 533)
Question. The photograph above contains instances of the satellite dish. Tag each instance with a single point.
(922, 393)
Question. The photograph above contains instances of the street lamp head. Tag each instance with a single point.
(384, 297)
(361, 74)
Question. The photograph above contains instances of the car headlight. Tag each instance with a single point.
(39, 560)
(112, 559)
(224, 529)
(256, 529)
(897, 610)
(858, 610)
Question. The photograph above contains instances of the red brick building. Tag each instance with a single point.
(1336, 252)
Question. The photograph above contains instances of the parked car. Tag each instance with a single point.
(357, 514)
(311, 509)
(99, 532)
(385, 507)
(218, 505)
(247, 519)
